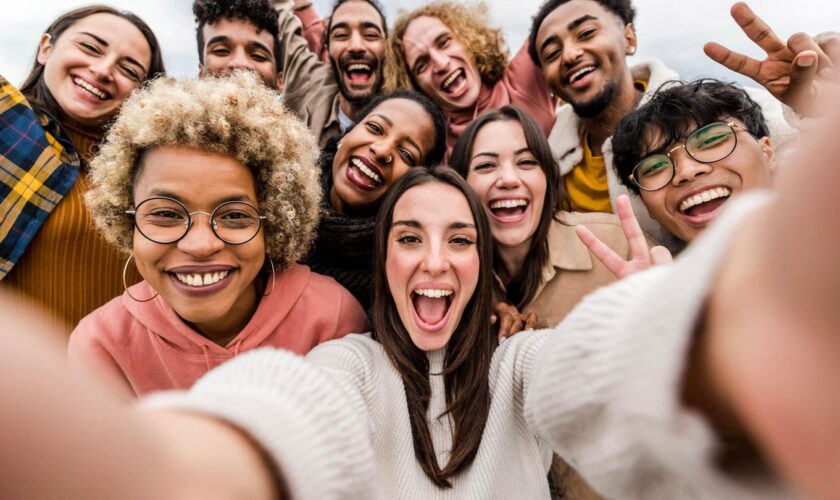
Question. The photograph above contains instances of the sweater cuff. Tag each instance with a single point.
(296, 413)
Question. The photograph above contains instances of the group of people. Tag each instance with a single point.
(463, 261)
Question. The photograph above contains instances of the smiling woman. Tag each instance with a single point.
(212, 187)
(88, 62)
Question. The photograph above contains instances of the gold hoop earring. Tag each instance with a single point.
(125, 282)
(273, 278)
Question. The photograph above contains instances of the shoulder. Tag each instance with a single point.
(607, 227)
(105, 326)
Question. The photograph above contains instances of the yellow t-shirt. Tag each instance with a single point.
(586, 184)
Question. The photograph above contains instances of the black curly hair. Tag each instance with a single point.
(621, 8)
(257, 12)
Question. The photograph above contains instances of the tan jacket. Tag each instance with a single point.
(571, 271)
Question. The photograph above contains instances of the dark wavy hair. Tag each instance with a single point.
(434, 156)
(34, 87)
(621, 8)
(523, 286)
(257, 12)
(325, 36)
(468, 354)
(673, 112)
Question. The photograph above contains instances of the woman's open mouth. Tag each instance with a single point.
(363, 174)
(431, 307)
(90, 89)
(200, 282)
(509, 210)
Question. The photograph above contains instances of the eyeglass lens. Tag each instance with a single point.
(165, 221)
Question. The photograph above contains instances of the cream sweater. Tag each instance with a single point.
(602, 389)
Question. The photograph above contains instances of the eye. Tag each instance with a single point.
(340, 35)
(528, 164)
(90, 47)
(461, 241)
(444, 42)
(373, 35)
(164, 217)
(408, 240)
(131, 73)
(259, 57)
(220, 51)
(374, 128)
(552, 55)
(586, 34)
(408, 157)
(483, 166)
(419, 67)
(654, 167)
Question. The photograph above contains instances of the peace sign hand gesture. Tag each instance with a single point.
(795, 72)
(642, 257)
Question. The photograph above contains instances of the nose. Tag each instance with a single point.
(439, 61)
(239, 60)
(571, 52)
(356, 41)
(508, 177)
(383, 152)
(435, 259)
(102, 69)
(687, 168)
(200, 240)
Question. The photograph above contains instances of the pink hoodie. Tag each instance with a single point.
(142, 347)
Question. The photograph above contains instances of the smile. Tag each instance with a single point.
(703, 198)
(509, 210)
(359, 72)
(363, 174)
(90, 88)
(454, 80)
(577, 75)
(431, 307)
(200, 280)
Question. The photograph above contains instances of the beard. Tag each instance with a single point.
(595, 106)
(355, 96)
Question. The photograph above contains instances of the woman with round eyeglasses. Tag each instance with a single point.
(88, 61)
(214, 207)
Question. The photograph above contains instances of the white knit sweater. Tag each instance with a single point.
(602, 389)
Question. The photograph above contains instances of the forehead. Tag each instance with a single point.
(355, 13)
(500, 136)
(410, 119)
(420, 35)
(120, 34)
(433, 205)
(238, 31)
(561, 18)
(193, 174)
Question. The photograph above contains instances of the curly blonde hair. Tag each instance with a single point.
(469, 22)
(235, 116)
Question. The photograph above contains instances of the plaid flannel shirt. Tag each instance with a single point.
(36, 172)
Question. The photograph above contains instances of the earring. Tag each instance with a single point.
(273, 277)
(338, 146)
(631, 51)
(125, 282)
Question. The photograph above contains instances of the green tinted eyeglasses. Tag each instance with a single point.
(707, 144)
(165, 220)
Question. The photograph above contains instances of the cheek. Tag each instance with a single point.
(479, 184)
(146, 255)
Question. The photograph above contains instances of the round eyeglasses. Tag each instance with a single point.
(707, 144)
(166, 220)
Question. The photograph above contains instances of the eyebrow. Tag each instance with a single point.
(160, 192)
(582, 19)
(103, 42)
(417, 225)
(364, 25)
(518, 152)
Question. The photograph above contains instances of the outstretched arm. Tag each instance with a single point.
(796, 72)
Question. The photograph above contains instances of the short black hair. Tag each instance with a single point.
(435, 156)
(325, 37)
(673, 112)
(257, 12)
(622, 8)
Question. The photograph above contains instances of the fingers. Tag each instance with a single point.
(660, 255)
(801, 94)
(632, 230)
(510, 322)
(829, 43)
(530, 320)
(732, 60)
(802, 42)
(611, 260)
(756, 29)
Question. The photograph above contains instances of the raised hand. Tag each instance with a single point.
(511, 321)
(794, 71)
(641, 256)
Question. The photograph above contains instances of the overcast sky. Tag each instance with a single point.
(673, 31)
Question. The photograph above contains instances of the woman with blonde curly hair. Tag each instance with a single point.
(451, 53)
(212, 188)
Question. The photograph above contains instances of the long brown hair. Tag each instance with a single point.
(468, 353)
(524, 284)
(34, 87)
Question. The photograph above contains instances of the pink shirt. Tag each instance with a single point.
(141, 347)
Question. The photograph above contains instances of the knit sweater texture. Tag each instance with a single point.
(603, 389)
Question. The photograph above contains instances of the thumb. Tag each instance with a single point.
(660, 255)
(801, 90)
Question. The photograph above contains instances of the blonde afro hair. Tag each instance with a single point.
(235, 116)
(469, 22)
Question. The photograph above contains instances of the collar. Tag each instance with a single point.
(345, 123)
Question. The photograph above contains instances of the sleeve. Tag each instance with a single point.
(606, 390)
(528, 89)
(313, 27)
(310, 422)
(86, 352)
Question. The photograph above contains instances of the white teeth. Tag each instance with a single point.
(433, 293)
(365, 170)
(579, 73)
(196, 279)
(358, 66)
(90, 88)
(452, 78)
(708, 195)
(509, 204)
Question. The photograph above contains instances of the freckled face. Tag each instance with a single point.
(94, 66)
(432, 263)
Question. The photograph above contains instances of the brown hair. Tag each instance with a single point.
(524, 284)
(34, 87)
(469, 23)
(468, 354)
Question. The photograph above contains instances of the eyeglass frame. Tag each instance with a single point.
(189, 222)
(733, 125)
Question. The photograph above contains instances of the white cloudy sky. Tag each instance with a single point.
(672, 30)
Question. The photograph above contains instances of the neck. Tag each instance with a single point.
(83, 137)
(512, 259)
(343, 209)
(601, 127)
(222, 330)
(348, 108)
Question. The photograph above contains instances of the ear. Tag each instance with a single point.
(630, 38)
(44, 47)
(200, 70)
(769, 153)
(281, 79)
